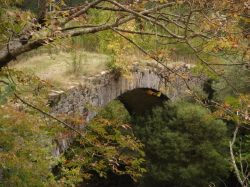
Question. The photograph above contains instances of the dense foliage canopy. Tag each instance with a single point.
(185, 146)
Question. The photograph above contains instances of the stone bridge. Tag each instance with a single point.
(143, 88)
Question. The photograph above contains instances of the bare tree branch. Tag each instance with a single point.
(48, 115)
(209, 67)
(156, 59)
(143, 33)
(16, 47)
(42, 112)
(236, 170)
(83, 10)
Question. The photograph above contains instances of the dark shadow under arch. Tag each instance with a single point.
(141, 101)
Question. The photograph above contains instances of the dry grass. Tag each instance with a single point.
(64, 68)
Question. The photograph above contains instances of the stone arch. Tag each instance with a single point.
(99, 90)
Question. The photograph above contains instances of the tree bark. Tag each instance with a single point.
(16, 48)
(42, 11)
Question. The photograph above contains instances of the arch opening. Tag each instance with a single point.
(141, 101)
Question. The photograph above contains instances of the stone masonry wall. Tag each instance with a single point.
(99, 90)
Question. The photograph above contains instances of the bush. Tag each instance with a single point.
(184, 145)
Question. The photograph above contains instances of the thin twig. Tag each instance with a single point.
(47, 114)
(231, 144)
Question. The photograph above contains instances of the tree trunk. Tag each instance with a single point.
(15, 48)
(42, 11)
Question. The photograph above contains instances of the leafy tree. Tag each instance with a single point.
(108, 147)
(157, 28)
(184, 145)
(235, 110)
(28, 131)
(233, 107)
(168, 22)
(26, 135)
(25, 150)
